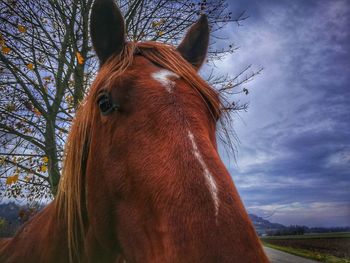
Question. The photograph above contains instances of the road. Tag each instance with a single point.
(277, 256)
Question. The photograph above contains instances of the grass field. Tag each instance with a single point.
(325, 247)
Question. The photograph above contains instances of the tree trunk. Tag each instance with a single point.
(51, 152)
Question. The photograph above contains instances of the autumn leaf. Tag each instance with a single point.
(43, 168)
(5, 50)
(12, 179)
(154, 24)
(37, 112)
(21, 29)
(10, 107)
(2, 40)
(47, 78)
(70, 100)
(160, 33)
(27, 178)
(80, 58)
(158, 23)
(27, 130)
(30, 66)
(45, 159)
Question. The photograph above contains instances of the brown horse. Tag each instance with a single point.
(142, 179)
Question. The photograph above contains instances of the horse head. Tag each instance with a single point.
(154, 186)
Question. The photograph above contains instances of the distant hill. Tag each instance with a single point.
(10, 211)
(263, 226)
(9, 219)
(12, 216)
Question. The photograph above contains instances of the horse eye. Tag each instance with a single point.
(105, 103)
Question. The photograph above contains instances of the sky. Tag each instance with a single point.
(293, 159)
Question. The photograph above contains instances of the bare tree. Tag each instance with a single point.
(47, 64)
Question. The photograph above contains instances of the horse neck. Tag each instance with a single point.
(41, 239)
(195, 215)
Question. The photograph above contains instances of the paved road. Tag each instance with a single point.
(277, 256)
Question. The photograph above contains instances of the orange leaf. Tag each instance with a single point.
(47, 78)
(30, 66)
(21, 29)
(12, 179)
(43, 168)
(80, 58)
(5, 50)
(37, 112)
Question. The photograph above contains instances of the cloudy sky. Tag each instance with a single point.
(293, 163)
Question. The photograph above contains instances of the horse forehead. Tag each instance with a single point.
(164, 75)
(166, 78)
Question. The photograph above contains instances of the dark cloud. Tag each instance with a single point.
(294, 156)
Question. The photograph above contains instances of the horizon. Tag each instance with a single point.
(17, 203)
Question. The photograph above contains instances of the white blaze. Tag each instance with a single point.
(165, 77)
(207, 174)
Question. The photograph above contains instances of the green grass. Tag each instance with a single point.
(313, 235)
(309, 254)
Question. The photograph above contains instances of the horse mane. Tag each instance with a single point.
(70, 199)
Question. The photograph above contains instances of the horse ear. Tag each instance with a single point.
(107, 29)
(194, 46)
